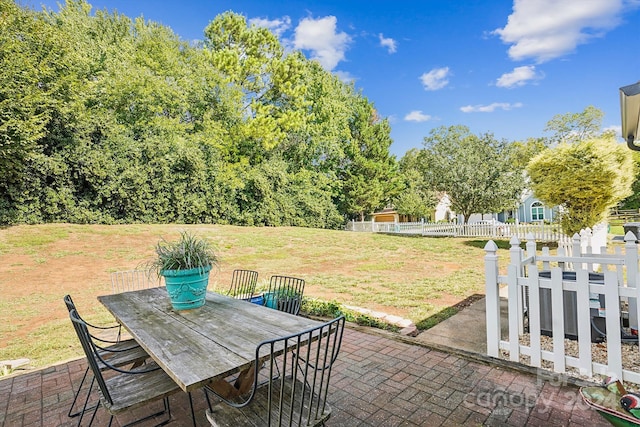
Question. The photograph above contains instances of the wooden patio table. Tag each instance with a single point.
(197, 346)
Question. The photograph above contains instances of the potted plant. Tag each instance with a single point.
(289, 301)
(185, 265)
(284, 300)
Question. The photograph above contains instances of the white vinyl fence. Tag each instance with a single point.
(541, 232)
(585, 289)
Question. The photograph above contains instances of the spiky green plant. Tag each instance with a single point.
(187, 252)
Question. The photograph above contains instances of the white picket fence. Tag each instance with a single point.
(541, 232)
(530, 294)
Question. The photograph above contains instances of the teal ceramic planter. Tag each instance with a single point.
(270, 299)
(283, 302)
(187, 288)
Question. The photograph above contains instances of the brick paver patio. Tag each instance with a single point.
(379, 381)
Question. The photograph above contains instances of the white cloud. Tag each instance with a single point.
(616, 129)
(547, 29)
(518, 77)
(435, 79)
(389, 43)
(277, 26)
(417, 116)
(345, 76)
(490, 108)
(320, 37)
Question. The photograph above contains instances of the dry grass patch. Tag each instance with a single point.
(414, 278)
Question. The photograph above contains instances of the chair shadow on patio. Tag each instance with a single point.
(378, 380)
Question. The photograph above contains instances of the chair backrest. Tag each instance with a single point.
(243, 284)
(285, 293)
(133, 280)
(110, 334)
(90, 351)
(69, 302)
(298, 371)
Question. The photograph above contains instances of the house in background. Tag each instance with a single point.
(441, 213)
(387, 214)
(530, 209)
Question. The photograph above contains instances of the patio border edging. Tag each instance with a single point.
(482, 358)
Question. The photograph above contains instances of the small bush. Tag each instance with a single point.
(316, 307)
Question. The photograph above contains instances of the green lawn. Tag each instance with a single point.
(417, 278)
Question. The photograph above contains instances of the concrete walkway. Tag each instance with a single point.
(467, 330)
(381, 379)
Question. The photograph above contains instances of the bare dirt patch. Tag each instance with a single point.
(42, 263)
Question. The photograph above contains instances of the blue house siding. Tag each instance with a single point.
(525, 210)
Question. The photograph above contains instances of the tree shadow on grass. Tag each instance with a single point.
(504, 244)
(447, 312)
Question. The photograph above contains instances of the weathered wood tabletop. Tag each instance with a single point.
(206, 343)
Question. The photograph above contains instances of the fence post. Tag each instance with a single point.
(546, 265)
(516, 311)
(612, 320)
(631, 262)
(562, 251)
(531, 244)
(515, 258)
(586, 243)
(492, 298)
(557, 320)
(585, 359)
(576, 249)
(524, 293)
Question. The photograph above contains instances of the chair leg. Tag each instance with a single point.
(193, 415)
(75, 397)
(206, 396)
(72, 414)
(86, 401)
(93, 416)
(166, 409)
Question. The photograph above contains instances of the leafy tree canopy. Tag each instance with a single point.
(416, 198)
(105, 118)
(633, 201)
(473, 170)
(574, 127)
(586, 179)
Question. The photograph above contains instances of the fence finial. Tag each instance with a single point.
(491, 246)
(630, 237)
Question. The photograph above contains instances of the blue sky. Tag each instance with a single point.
(504, 67)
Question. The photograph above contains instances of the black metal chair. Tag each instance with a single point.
(123, 389)
(285, 293)
(243, 284)
(298, 397)
(118, 352)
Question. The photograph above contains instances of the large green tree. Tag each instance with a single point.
(415, 198)
(633, 201)
(108, 119)
(475, 171)
(31, 85)
(585, 179)
(574, 127)
(369, 173)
